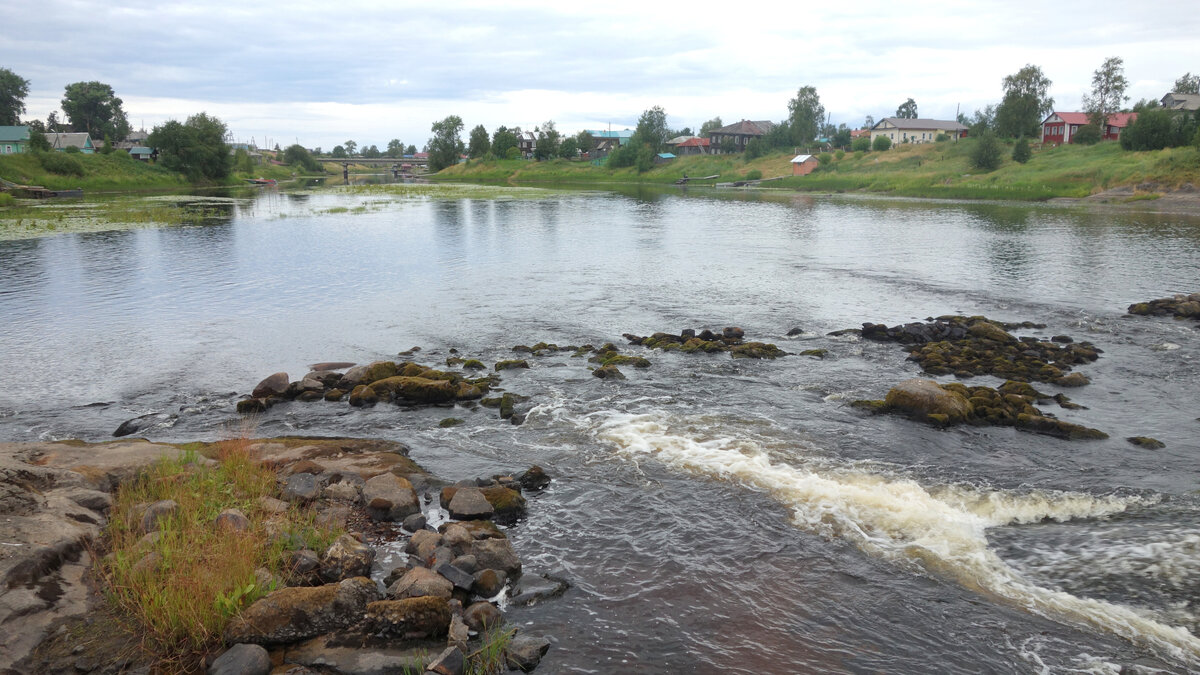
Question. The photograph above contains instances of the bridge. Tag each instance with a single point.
(376, 161)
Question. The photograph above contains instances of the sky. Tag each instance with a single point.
(322, 73)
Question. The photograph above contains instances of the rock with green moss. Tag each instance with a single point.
(819, 353)
(363, 396)
(454, 361)
(1146, 442)
(450, 422)
(612, 359)
(507, 403)
(473, 364)
(608, 372)
(511, 364)
(334, 395)
(1054, 427)
(1180, 306)
(920, 398)
(756, 350)
(870, 405)
(416, 389)
(378, 370)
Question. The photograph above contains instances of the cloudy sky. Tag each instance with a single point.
(319, 73)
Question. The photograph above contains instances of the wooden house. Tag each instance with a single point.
(62, 141)
(738, 134)
(904, 130)
(14, 140)
(1060, 127)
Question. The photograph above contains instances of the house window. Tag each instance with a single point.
(8, 150)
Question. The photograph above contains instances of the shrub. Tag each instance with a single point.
(1088, 134)
(754, 149)
(1157, 129)
(7, 199)
(941, 138)
(839, 154)
(60, 163)
(861, 144)
(753, 174)
(881, 143)
(1021, 152)
(72, 150)
(986, 155)
(512, 153)
(824, 158)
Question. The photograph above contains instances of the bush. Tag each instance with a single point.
(986, 155)
(1021, 152)
(839, 154)
(72, 150)
(824, 158)
(941, 138)
(881, 143)
(1088, 134)
(754, 149)
(7, 199)
(861, 144)
(512, 153)
(1157, 129)
(60, 163)
(753, 174)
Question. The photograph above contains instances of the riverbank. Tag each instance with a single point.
(935, 170)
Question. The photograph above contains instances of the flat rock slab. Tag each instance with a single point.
(327, 652)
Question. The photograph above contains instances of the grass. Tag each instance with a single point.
(183, 587)
(38, 218)
(490, 658)
(116, 171)
(936, 170)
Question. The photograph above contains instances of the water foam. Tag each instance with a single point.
(895, 517)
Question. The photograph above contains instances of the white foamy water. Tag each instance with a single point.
(943, 528)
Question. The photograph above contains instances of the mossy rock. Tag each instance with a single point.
(418, 389)
(450, 422)
(467, 391)
(363, 396)
(819, 353)
(474, 364)
(508, 503)
(1073, 380)
(410, 369)
(248, 406)
(872, 406)
(1146, 442)
(493, 402)
(334, 395)
(1052, 427)
(507, 402)
(756, 350)
(624, 360)
(523, 349)
(608, 372)
(454, 362)
(379, 370)
(511, 364)
(922, 399)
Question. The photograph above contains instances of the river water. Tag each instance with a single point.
(713, 515)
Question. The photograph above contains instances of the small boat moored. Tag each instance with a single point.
(261, 181)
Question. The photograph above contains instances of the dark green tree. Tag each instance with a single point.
(1026, 103)
(881, 143)
(805, 115)
(480, 143)
(569, 148)
(907, 110)
(861, 144)
(394, 148)
(986, 155)
(411, 150)
(779, 137)
(13, 90)
(446, 146)
(585, 141)
(755, 148)
(350, 147)
(338, 152)
(195, 148)
(1021, 152)
(1156, 129)
(1108, 93)
(297, 155)
(372, 152)
(94, 107)
(709, 126)
(548, 141)
(841, 139)
(1188, 84)
(652, 127)
(38, 142)
(1088, 134)
(503, 139)
(868, 122)
(53, 124)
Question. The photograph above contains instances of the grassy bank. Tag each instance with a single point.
(116, 171)
(936, 170)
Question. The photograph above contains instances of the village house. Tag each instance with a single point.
(62, 141)
(607, 141)
(738, 134)
(14, 140)
(903, 130)
(1060, 127)
(802, 165)
(1177, 101)
(694, 146)
(526, 143)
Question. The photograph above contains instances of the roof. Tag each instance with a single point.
(694, 142)
(855, 133)
(680, 139)
(921, 124)
(66, 140)
(1181, 101)
(800, 159)
(624, 133)
(1120, 120)
(10, 134)
(140, 150)
(746, 128)
(666, 155)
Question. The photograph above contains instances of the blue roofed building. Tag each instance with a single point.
(14, 140)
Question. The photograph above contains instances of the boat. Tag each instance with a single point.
(261, 181)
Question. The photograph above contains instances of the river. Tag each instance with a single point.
(712, 515)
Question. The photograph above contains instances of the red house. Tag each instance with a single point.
(1060, 127)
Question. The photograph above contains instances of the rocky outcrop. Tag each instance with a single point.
(689, 341)
(1180, 306)
(299, 613)
(927, 400)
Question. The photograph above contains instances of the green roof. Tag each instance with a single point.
(11, 134)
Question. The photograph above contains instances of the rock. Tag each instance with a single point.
(415, 389)
(466, 563)
(353, 652)
(363, 396)
(332, 517)
(489, 583)
(795, 331)
(273, 505)
(156, 512)
(449, 662)
(470, 504)
(819, 353)
(608, 372)
(390, 497)
(298, 613)
(342, 491)
(233, 520)
(144, 422)
(534, 478)
(332, 365)
(473, 364)
(457, 538)
(733, 333)
(301, 487)
(414, 522)
(496, 554)
(1146, 442)
(507, 403)
(525, 652)
(273, 385)
(450, 422)
(242, 659)
(533, 589)
(306, 466)
(379, 370)
(420, 581)
(986, 330)
(460, 579)
(347, 558)
(482, 615)
(1073, 380)
(921, 398)
(304, 567)
(1052, 427)
(423, 543)
(248, 406)
(511, 364)
(410, 618)
(334, 395)
(458, 633)
(352, 378)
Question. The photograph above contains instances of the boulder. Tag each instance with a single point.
(232, 520)
(496, 554)
(470, 504)
(534, 478)
(921, 398)
(525, 652)
(415, 522)
(297, 613)
(410, 618)
(423, 543)
(242, 659)
(301, 487)
(363, 396)
(482, 615)
(986, 330)
(156, 512)
(390, 497)
(532, 589)
(608, 372)
(461, 579)
(416, 389)
(1073, 380)
(273, 385)
(1146, 442)
(347, 558)
(248, 406)
(457, 538)
(420, 581)
(450, 662)
(489, 583)
(379, 370)
(144, 422)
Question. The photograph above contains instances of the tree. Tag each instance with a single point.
(881, 143)
(411, 150)
(907, 110)
(394, 148)
(585, 141)
(1157, 128)
(709, 126)
(445, 147)
(338, 152)
(861, 144)
(841, 138)
(195, 148)
(1021, 152)
(1108, 92)
(982, 121)
(805, 114)
(548, 140)
(569, 148)
(38, 141)
(780, 136)
(652, 127)
(986, 155)
(1088, 134)
(754, 149)
(350, 147)
(868, 122)
(94, 107)
(1026, 103)
(480, 144)
(13, 90)
(296, 154)
(1188, 84)
(503, 139)
(372, 152)
(53, 124)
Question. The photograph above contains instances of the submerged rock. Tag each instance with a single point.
(145, 422)
(1146, 442)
